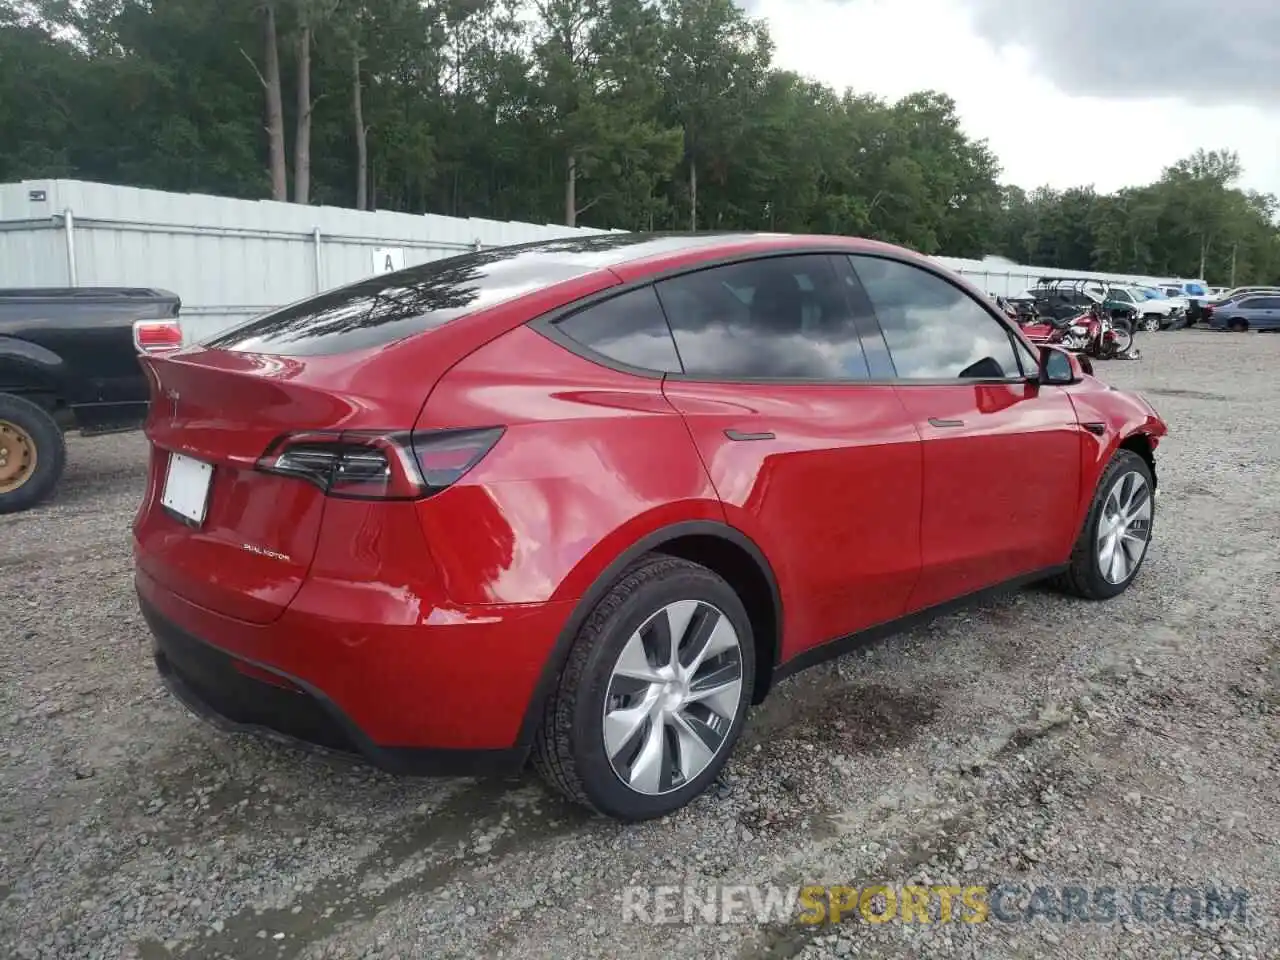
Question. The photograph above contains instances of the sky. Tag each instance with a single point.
(1133, 85)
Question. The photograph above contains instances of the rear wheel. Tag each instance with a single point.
(32, 454)
(1237, 325)
(1117, 531)
(654, 693)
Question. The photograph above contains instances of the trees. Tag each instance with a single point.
(640, 114)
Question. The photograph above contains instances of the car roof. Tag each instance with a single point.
(658, 251)
(389, 307)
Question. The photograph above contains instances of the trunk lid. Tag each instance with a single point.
(251, 552)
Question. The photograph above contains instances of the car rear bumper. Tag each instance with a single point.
(445, 698)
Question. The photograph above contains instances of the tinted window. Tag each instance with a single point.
(628, 328)
(1266, 303)
(1249, 303)
(776, 317)
(392, 306)
(934, 330)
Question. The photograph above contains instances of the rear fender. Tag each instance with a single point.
(29, 369)
(601, 574)
(633, 539)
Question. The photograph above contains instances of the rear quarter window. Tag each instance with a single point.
(629, 329)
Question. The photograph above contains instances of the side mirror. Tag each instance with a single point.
(1059, 367)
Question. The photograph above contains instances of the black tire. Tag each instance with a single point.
(1084, 577)
(569, 751)
(35, 424)
(1237, 325)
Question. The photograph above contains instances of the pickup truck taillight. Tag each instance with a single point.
(157, 336)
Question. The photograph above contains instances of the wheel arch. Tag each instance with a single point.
(32, 371)
(1140, 443)
(721, 548)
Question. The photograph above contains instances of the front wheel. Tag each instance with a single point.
(1124, 336)
(654, 693)
(32, 453)
(1117, 530)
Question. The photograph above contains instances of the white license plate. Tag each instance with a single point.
(186, 488)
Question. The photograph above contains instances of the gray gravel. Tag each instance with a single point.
(1033, 741)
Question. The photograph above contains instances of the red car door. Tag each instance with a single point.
(821, 468)
(1002, 453)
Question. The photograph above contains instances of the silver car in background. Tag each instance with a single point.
(1249, 311)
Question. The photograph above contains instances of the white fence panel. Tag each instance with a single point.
(232, 259)
(227, 259)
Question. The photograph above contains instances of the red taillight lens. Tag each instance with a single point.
(157, 336)
(379, 466)
(443, 456)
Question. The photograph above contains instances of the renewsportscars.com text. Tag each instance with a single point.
(879, 903)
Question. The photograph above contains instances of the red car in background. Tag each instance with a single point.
(589, 499)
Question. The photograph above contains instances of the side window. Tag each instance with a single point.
(1249, 303)
(1267, 303)
(628, 328)
(934, 330)
(778, 318)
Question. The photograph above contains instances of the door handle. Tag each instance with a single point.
(935, 422)
(739, 435)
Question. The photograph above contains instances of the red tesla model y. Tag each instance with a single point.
(587, 500)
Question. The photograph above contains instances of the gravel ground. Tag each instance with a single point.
(1033, 741)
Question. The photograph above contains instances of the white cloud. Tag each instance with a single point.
(1040, 134)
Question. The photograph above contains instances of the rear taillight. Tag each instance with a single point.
(363, 465)
(157, 336)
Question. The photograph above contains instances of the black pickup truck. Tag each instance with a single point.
(69, 361)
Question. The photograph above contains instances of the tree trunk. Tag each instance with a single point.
(571, 192)
(302, 142)
(275, 108)
(362, 135)
(693, 194)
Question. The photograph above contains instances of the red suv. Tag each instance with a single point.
(588, 499)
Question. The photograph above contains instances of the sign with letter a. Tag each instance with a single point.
(388, 259)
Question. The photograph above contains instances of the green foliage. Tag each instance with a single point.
(640, 114)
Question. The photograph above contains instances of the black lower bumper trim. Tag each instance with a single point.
(206, 681)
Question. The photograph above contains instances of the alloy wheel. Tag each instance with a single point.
(1124, 528)
(672, 698)
(17, 456)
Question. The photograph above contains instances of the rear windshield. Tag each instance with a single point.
(390, 307)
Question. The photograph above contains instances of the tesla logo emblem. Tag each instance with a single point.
(264, 552)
